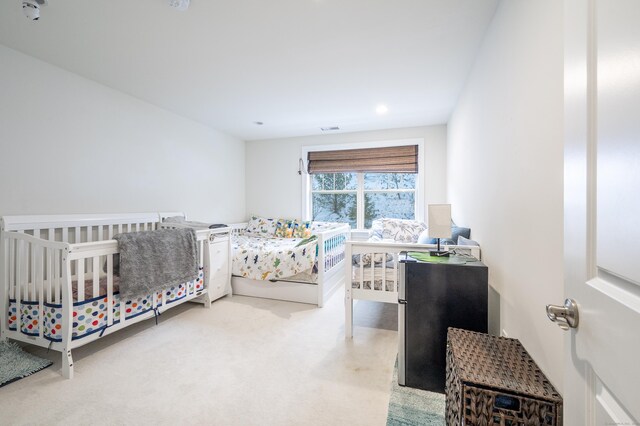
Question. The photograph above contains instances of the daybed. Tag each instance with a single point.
(298, 261)
(58, 288)
(373, 274)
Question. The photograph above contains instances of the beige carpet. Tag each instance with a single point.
(246, 361)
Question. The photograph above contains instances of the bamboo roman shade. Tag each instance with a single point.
(396, 159)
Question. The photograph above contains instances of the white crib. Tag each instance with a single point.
(378, 280)
(57, 280)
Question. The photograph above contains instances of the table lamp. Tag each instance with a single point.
(439, 225)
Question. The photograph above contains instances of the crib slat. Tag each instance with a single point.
(49, 272)
(56, 276)
(123, 310)
(109, 290)
(19, 260)
(395, 272)
(384, 271)
(372, 266)
(100, 233)
(52, 234)
(361, 272)
(25, 264)
(96, 276)
(12, 267)
(88, 263)
(40, 285)
(32, 260)
(65, 235)
(80, 276)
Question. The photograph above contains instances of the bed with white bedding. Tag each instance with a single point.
(299, 261)
(261, 258)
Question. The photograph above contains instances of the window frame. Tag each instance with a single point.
(307, 192)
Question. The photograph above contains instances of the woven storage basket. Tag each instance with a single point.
(494, 381)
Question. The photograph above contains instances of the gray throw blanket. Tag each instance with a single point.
(151, 261)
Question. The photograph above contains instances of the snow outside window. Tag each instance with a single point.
(360, 198)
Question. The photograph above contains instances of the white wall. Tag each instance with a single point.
(505, 169)
(69, 145)
(275, 189)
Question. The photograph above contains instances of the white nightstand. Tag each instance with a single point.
(217, 272)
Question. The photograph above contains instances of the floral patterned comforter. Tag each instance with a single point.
(261, 258)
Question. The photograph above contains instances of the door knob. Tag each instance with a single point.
(565, 316)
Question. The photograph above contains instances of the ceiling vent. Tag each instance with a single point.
(180, 5)
(330, 129)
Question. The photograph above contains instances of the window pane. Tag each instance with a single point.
(399, 205)
(333, 181)
(390, 180)
(346, 181)
(335, 208)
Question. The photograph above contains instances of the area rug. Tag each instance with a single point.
(408, 406)
(16, 364)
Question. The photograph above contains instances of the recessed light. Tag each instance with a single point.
(258, 123)
(382, 109)
(329, 129)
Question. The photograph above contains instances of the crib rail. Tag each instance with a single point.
(332, 242)
(79, 228)
(33, 269)
(372, 273)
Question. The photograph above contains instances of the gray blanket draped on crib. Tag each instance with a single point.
(151, 261)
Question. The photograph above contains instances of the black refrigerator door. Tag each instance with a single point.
(439, 296)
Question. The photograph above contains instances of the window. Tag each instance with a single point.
(335, 197)
(359, 197)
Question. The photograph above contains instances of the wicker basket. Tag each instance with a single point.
(494, 381)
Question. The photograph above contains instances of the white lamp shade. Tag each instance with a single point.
(440, 220)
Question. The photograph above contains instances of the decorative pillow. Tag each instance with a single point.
(376, 229)
(261, 227)
(424, 237)
(399, 230)
(285, 228)
(456, 232)
(302, 229)
(462, 241)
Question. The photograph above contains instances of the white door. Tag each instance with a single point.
(602, 211)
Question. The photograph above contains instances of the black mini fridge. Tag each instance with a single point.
(433, 297)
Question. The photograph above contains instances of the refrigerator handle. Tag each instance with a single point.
(402, 302)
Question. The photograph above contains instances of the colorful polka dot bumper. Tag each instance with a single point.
(90, 316)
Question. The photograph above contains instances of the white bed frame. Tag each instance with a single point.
(331, 244)
(41, 257)
(370, 272)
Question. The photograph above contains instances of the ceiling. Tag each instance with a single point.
(296, 65)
